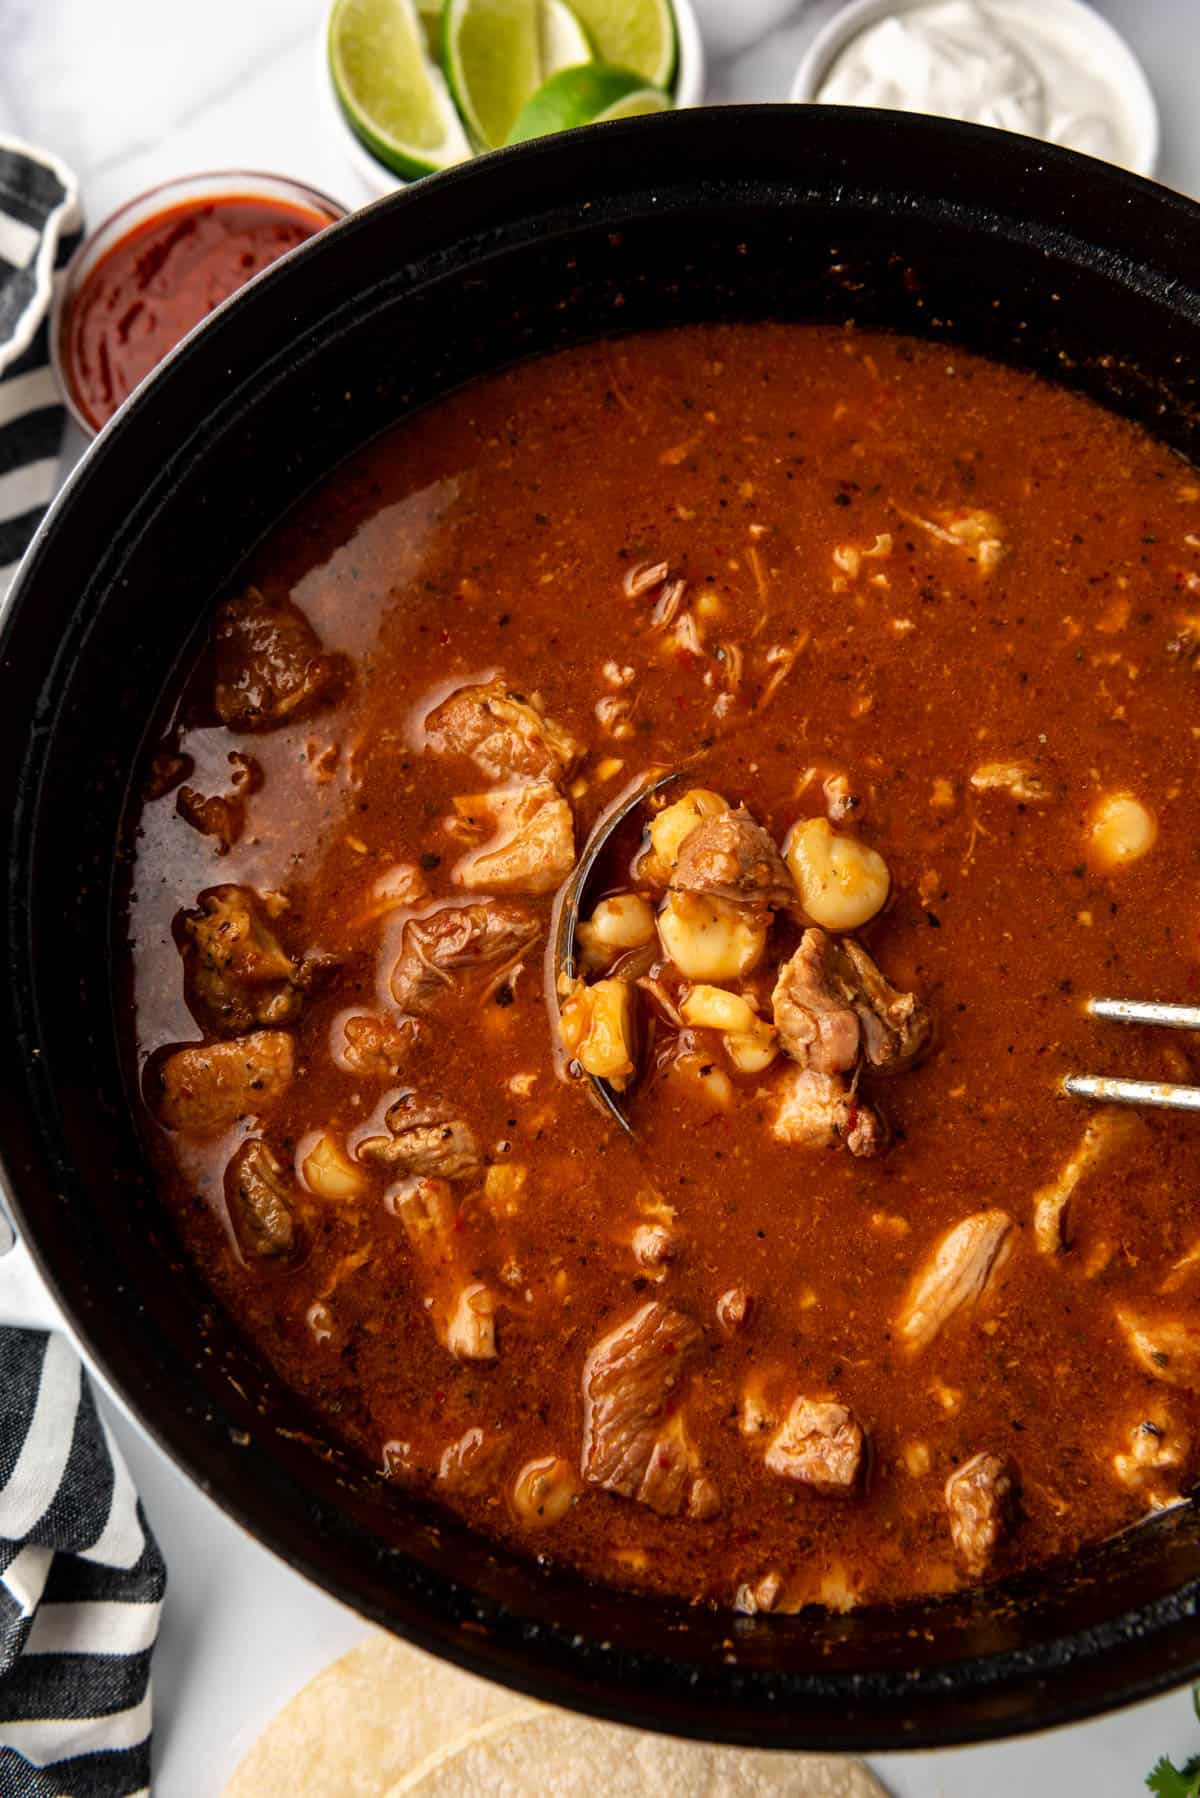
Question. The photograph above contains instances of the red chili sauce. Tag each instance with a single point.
(155, 284)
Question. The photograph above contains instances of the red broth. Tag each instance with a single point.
(821, 572)
(161, 280)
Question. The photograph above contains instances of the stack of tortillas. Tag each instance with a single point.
(387, 1720)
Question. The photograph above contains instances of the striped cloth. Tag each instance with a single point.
(80, 1588)
(39, 228)
(81, 1576)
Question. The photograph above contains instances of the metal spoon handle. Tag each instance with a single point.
(1141, 1011)
(1160, 1093)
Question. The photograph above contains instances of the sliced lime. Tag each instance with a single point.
(585, 96)
(564, 42)
(632, 34)
(491, 52)
(633, 106)
(430, 12)
(392, 98)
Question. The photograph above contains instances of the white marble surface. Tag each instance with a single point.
(132, 92)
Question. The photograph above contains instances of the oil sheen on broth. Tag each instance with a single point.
(867, 1308)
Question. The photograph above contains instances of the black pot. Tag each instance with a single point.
(1032, 254)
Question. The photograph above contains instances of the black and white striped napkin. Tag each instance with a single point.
(39, 228)
(81, 1576)
(81, 1586)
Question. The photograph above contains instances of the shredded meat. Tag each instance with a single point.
(238, 974)
(965, 1262)
(204, 1090)
(459, 939)
(820, 1444)
(531, 845)
(634, 1438)
(1103, 1132)
(271, 669)
(1167, 1348)
(831, 1001)
(730, 856)
(734, 1308)
(1023, 782)
(462, 1308)
(375, 1048)
(425, 1138)
(506, 735)
(260, 1197)
(982, 1500)
(819, 1111)
(1156, 1455)
(971, 529)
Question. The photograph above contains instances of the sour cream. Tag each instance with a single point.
(1043, 67)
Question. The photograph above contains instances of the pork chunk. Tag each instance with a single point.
(1167, 1348)
(459, 939)
(237, 973)
(819, 1111)
(896, 1027)
(730, 856)
(962, 1266)
(217, 815)
(530, 846)
(425, 1139)
(817, 1024)
(831, 1002)
(271, 668)
(206, 1089)
(374, 1048)
(634, 1440)
(472, 1464)
(260, 1195)
(506, 735)
(982, 1502)
(819, 1444)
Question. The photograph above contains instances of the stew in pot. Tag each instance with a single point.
(865, 1307)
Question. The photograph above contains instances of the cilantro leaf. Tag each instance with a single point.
(1166, 1780)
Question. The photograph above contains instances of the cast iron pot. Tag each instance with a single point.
(1031, 254)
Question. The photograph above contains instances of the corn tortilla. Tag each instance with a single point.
(556, 1752)
(364, 1721)
(387, 1720)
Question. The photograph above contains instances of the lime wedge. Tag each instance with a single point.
(392, 98)
(632, 34)
(564, 42)
(430, 14)
(585, 96)
(491, 52)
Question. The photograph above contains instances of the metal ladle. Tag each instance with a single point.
(570, 904)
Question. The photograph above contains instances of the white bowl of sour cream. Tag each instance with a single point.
(1052, 69)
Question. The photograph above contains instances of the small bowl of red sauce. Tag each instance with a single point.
(158, 266)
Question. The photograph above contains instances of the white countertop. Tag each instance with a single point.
(131, 92)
